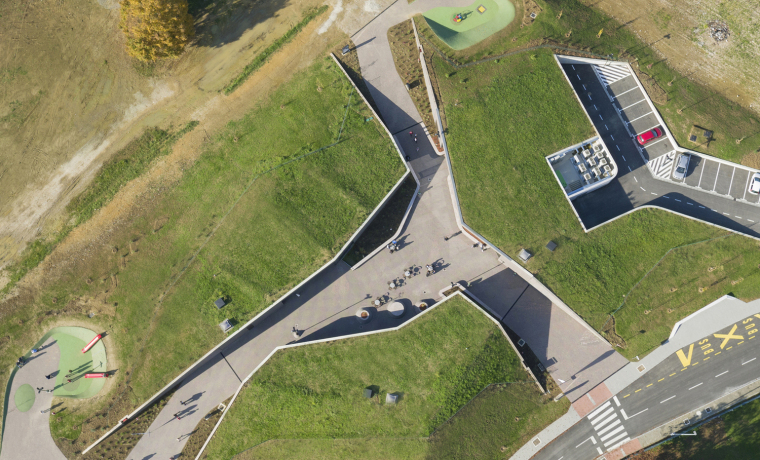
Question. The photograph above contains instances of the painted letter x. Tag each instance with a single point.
(727, 337)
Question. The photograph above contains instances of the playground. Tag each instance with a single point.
(463, 27)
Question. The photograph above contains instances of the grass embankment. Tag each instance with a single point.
(126, 165)
(733, 435)
(698, 105)
(503, 118)
(436, 364)
(262, 57)
(291, 220)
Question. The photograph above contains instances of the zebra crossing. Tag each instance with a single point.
(662, 165)
(609, 426)
(610, 73)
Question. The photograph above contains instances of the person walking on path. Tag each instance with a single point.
(39, 390)
(176, 415)
(49, 376)
(34, 350)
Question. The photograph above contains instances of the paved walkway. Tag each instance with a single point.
(326, 306)
(27, 434)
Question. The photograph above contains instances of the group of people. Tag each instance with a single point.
(393, 246)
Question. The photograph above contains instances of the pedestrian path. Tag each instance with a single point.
(610, 73)
(608, 425)
(662, 165)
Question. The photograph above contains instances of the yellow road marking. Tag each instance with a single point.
(740, 342)
(706, 359)
(626, 395)
(671, 375)
(694, 364)
(650, 385)
(685, 360)
(683, 369)
(661, 379)
(637, 390)
(716, 354)
(729, 348)
(727, 337)
(751, 337)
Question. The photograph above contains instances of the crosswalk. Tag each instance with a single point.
(662, 165)
(610, 73)
(608, 426)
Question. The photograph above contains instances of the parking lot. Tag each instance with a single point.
(726, 179)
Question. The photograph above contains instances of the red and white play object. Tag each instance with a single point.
(96, 375)
(92, 343)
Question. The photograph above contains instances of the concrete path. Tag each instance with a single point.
(27, 434)
(326, 306)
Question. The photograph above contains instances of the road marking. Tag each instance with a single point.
(729, 348)
(695, 386)
(685, 368)
(725, 372)
(637, 413)
(700, 176)
(600, 117)
(642, 188)
(618, 96)
(749, 361)
(751, 220)
(617, 403)
(654, 194)
(638, 118)
(685, 360)
(650, 385)
(716, 178)
(587, 440)
(600, 409)
(690, 204)
(713, 210)
(637, 390)
(637, 181)
(612, 433)
(599, 449)
(706, 359)
(671, 375)
(613, 138)
(740, 342)
(716, 354)
(732, 181)
(729, 336)
(606, 127)
(579, 77)
(629, 170)
(618, 444)
(666, 400)
(661, 379)
(609, 427)
(623, 108)
(595, 107)
(589, 97)
(626, 395)
(572, 66)
(702, 207)
(746, 186)
(726, 213)
(617, 147)
(601, 423)
(677, 200)
(737, 217)
(649, 144)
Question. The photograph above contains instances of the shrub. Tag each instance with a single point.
(156, 28)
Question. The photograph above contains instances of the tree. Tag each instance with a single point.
(156, 28)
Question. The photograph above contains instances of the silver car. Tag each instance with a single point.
(754, 184)
(681, 166)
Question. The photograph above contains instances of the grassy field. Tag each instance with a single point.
(257, 231)
(316, 391)
(497, 116)
(686, 102)
(733, 436)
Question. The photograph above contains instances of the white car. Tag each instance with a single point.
(681, 166)
(754, 184)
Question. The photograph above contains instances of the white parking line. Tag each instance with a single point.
(606, 127)
(695, 386)
(629, 170)
(600, 117)
(572, 66)
(732, 182)
(702, 207)
(649, 144)
(725, 372)
(690, 204)
(616, 146)
(634, 177)
(654, 194)
(579, 77)
(639, 118)
(716, 178)
(623, 157)
(751, 220)
(726, 213)
(642, 188)
(613, 137)
(589, 97)
(618, 95)
(623, 108)
(666, 197)
(701, 173)
(749, 361)
(713, 210)
(584, 87)
(746, 186)
(595, 107)
(737, 217)
(678, 200)
(666, 400)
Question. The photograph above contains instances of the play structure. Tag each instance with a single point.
(92, 343)
(97, 375)
(461, 28)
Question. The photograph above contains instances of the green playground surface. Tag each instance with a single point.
(475, 27)
(24, 397)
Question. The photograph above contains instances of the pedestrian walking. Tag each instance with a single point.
(39, 390)
(34, 350)
(68, 380)
(411, 133)
(176, 415)
(49, 376)
(415, 138)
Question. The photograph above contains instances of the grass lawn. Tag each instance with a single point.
(498, 114)
(437, 364)
(733, 436)
(698, 104)
(289, 222)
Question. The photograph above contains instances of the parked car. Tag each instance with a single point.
(754, 183)
(682, 165)
(647, 136)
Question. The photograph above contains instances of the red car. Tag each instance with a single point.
(643, 138)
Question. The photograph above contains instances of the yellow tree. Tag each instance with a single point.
(156, 28)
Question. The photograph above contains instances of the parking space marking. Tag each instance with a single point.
(589, 97)
(606, 127)
(666, 400)
(600, 117)
(746, 186)
(737, 217)
(726, 372)
(595, 107)
(690, 204)
(678, 200)
(653, 193)
(579, 77)
(642, 188)
(623, 157)
(634, 177)
(623, 108)
(695, 386)
(639, 118)
(713, 210)
(649, 144)
(618, 95)
(732, 181)
(613, 138)
(702, 207)
(726, 213)
(629, 170)
(666, 197)
(584, 87)
(617, 147)
(749, 361)
(701, 174)
(716, 178)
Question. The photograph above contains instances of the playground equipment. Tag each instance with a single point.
(92, 343)
(458, 17)
(97, 375)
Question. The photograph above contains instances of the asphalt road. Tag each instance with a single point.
(634, 185)
(690, 378)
